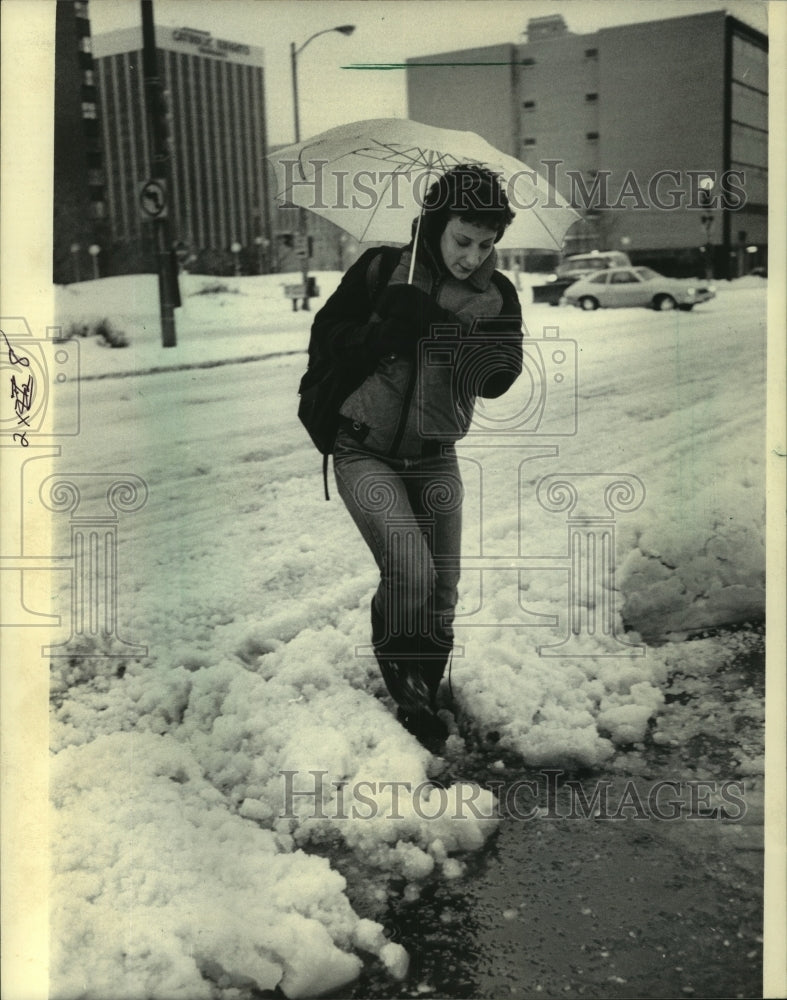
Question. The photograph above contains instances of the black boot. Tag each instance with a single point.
(402, 674)
(427, 727)
(432, 674)
(433, 654)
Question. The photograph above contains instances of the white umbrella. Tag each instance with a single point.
(370, 178)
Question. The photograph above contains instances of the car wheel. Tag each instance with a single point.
(664, 303)
(686, 308)
(588, 303)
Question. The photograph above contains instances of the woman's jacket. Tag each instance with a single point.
(430, 348)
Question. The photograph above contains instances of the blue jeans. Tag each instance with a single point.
(409, 512)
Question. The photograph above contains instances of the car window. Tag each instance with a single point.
(623, 278)
(582, 264)
(599, 279)
(646, 273)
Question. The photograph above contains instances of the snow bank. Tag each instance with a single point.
(296, 742)
(698, 561)
(169, 892)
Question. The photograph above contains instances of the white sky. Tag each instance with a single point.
(386, 31)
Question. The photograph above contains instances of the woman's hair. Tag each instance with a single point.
(473, 193)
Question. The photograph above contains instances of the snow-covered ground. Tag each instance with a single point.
(178, 853)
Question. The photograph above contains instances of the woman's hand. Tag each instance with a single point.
(406, 314)
(403, 302)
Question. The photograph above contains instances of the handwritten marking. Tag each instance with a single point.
(22, 394)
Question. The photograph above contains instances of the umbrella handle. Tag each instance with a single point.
(415, 246)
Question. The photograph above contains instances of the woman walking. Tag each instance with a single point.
(429, 341)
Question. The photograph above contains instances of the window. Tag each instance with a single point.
(591, 53)
(599, 279)
(528, 62)
(591, 136)
(84, 44)
(88, 77)
(528, 105)
(591, 98)
(88, 109)
(623, 278)
(528, 142)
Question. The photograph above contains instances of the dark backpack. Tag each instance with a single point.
(327, 383)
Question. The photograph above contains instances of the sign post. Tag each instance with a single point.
(153, 195)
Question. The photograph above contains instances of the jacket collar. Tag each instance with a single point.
(479, 279)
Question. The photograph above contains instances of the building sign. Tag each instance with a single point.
(207, 45)
(189, 41)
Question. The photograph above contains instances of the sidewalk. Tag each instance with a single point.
(221, 321)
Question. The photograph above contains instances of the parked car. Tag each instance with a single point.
(574, 267)
(581, 263)
(637, 286)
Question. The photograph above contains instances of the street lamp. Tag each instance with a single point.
(94, 250)
(236, 249)
(705, 193)
(75, 248)
(303, 247)
(262, 245)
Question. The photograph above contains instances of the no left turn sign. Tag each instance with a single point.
(153, 202)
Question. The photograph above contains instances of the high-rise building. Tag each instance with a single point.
(626, 122)
(79, 200)
(214, 92)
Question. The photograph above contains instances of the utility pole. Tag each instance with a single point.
(302, 237)
(154, 197)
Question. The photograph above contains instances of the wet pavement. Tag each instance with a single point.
(607, 898)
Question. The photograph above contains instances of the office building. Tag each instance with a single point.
(626, 121)
(218, 197)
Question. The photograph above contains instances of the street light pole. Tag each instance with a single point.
(303, 234)
(706, 204)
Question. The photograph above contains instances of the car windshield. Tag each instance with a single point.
(647, 274)
(586, 264)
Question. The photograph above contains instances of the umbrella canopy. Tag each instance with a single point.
(370, 178)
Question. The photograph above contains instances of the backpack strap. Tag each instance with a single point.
(379, 271)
